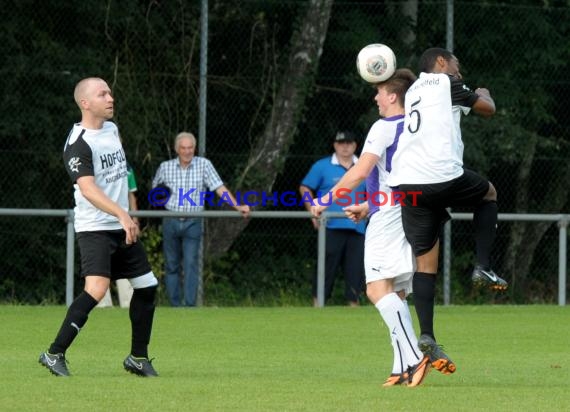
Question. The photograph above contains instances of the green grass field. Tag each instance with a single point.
(509, 358)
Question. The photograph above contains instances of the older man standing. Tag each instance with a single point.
(188, 177)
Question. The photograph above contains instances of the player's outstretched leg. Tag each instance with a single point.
(141, 313)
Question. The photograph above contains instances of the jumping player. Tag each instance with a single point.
(388, 258)
(430, 160)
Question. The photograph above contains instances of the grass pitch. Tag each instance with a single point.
(509, 358)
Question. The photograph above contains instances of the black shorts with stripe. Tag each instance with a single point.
(423, 220)
(105, 253)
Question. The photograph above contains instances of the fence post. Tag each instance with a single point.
(447, 263)
(449, 26)
(70, 258)
(321, 262)
(562, 247)
(203, 78)
(202, 130)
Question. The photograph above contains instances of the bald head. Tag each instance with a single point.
(95, 100)
(85, 87)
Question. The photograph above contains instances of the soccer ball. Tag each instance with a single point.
(376, 63)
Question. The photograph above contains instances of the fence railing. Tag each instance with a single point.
(561, 219)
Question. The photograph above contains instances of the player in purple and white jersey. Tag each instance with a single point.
(388, 257)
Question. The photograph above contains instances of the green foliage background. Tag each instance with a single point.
(149, 53)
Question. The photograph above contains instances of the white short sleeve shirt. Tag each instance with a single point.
(430, 148)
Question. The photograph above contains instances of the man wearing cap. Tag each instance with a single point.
(345, 239)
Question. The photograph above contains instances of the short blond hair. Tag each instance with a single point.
(81, 88)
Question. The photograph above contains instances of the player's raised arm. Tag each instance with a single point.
(484, 105)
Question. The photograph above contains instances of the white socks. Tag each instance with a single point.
(398, 319)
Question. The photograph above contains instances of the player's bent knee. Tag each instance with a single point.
(491, 195)
(145, 281)
(96, 286)
(377, 290)
(372, 295)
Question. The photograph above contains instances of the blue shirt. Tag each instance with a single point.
(322, 177)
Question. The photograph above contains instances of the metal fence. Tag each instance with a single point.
(150, 52)
(560, 219)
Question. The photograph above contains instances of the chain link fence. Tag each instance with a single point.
(149, 52)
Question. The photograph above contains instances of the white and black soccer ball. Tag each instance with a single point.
(376, 63)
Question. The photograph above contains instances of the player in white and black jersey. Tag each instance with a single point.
(388, 257)
(430, 161)
(106, 234)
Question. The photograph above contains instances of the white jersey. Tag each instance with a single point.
(387, 253)
(430, 148)
(97, 153)
(382, 140)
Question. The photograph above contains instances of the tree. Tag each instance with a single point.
(266, 157)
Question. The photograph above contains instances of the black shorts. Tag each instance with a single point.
(105, 253)
(423, 221)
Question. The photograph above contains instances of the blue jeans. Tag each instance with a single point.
(181, 243)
